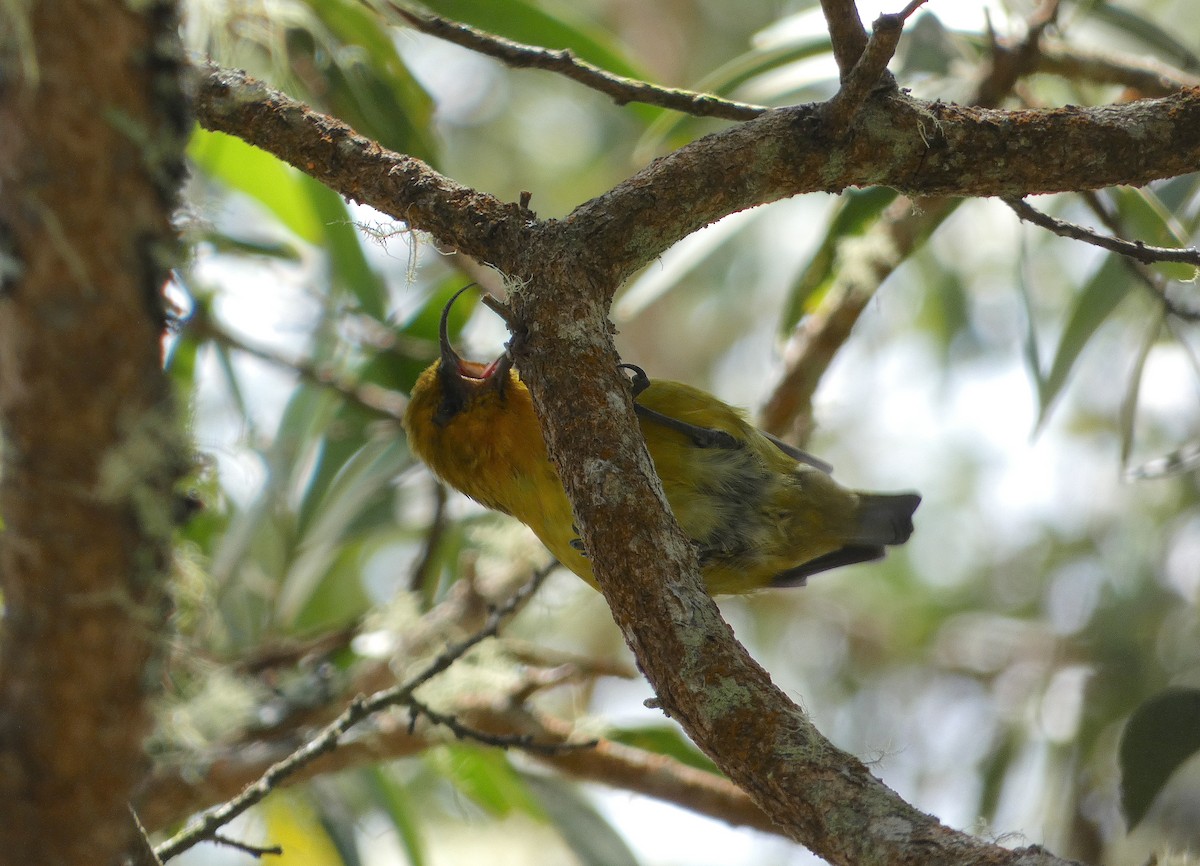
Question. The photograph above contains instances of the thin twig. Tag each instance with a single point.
(141, 852)
(433, 539)
(255, 851)
(328, 739)
(370, 397)
(1153, 282)
(870, 70)
(1136, 250)
(503, 741)
(622, 90)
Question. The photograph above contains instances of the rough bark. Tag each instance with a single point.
(91, 129)
(564, 274)
(919, 148)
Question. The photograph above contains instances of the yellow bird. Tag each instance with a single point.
(760, 512)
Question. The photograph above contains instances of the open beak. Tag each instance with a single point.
(458, 376)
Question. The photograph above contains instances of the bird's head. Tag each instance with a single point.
(464, 381)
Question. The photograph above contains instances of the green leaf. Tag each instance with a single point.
(586, 832)
(1132, 25)
(273, 249)
(855, 212)
(1129, 403)
(277, 186)
(312, 583)
(547, 24)
(398, 370)
(1161, 734)
(1147, 219)
(664, 740)
(486, 777)
(369, 86)
(670, 129)
(348, 265)
(395, 802)
(1093, 305)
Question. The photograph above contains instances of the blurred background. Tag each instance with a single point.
(1041, 395)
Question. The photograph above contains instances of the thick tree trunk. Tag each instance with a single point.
(91, 128)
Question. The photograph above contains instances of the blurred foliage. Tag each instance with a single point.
(1011, 376)
(1161, 735)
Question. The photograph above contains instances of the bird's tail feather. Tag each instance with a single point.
(885, 518)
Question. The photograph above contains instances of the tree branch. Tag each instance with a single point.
(846, 32)
(783, 153)
(1136, 250)
(622, 90)
(870, 70)
(631, 769)
(172, 792)
(329, 738)
(820, 797)
(1145, 75)
(565, 273)
(868, 261)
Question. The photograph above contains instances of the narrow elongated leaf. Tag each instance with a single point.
(1150, 221)
(347, 263)
(547, 25)
(551, 25)
(1093, 305)
(397, 370)
(1032, 353)
(1129, 404)
(370, 86)
(663, 740)
(670, 129)
(585, 830)
(486, 776)
(1132, 25)
(361, 482)
(394, 800)
(855, 213)
(275, 185)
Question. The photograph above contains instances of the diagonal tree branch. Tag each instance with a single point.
(173, 792)
(622, 90)
(846, 31)
(330, 737)
(820, 797)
